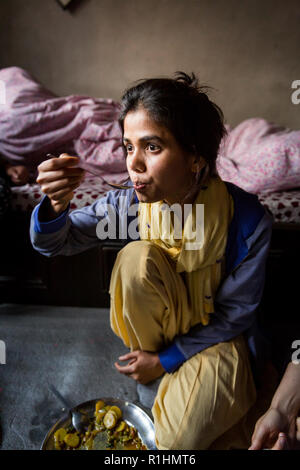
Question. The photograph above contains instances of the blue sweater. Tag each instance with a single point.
(239, 294)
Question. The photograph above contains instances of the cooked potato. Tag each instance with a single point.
(99, 405)
(72, 440)
(100, 415)
(110, 419)
(59, 435)
(117, 410)
(121, 426)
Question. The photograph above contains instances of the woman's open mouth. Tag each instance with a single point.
(139, 187)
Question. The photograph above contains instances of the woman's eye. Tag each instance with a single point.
(153, 147)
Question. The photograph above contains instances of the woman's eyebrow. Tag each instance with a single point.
(146, 138)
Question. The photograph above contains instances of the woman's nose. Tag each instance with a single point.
(136, 161)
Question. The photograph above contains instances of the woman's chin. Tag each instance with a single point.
(143, 197)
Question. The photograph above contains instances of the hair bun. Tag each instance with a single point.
(190, 80)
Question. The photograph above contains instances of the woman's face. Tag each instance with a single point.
(157, 165)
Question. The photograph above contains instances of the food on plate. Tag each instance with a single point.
(107, 431)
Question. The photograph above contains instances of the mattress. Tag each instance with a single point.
(284, 205)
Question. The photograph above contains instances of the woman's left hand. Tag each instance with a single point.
(143, 366)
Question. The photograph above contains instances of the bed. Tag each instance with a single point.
(284, 205)
(259, 156)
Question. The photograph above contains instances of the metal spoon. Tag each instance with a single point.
(80, 421)
(113, 185)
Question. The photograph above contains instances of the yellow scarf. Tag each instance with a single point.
(199, 252)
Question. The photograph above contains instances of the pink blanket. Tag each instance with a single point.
(34, 122)
(257, 155)
(260, 157)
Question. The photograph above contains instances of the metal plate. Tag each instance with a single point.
(132, 414)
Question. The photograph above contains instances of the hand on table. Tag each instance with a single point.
(143, 366)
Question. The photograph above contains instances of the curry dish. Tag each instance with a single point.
(107, 431)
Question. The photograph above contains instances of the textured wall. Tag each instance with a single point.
(248, 50)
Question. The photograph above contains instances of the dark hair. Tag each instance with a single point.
(183, 107)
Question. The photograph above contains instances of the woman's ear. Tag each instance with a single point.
(198, 164)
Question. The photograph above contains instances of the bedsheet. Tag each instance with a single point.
(284, 205)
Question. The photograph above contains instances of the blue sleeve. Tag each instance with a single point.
(236, 304)
(51, 226)
(171, 358)
(84, 228)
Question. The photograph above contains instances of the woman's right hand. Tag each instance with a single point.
(58, 177)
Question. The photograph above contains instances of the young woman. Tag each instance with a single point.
(185, 308)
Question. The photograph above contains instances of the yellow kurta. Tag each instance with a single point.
(160, 289)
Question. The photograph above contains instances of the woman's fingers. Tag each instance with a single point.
(259, 436)
(58, 176)
(63, 161)
(281, 443)
(54, 186)
(298, 429)
(256, 444)
(128, 369)
(49, 176)
(131, 367)
(259, 443)
(128, 356)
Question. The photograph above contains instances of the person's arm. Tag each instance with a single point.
(282, 415)
(53, 231)
(236, 303)
(72, 232)
(287, 396)
(66, 234)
